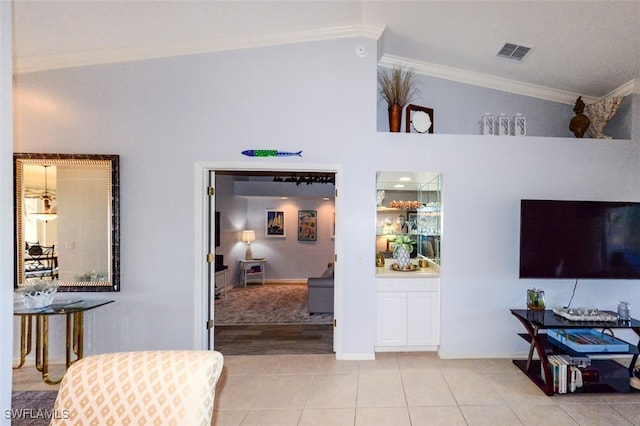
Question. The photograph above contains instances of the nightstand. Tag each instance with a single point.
(253, 268)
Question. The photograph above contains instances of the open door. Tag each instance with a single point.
(211, 264)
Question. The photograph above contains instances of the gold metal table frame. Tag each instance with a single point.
(74, 313)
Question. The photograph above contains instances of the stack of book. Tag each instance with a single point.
(567, 376)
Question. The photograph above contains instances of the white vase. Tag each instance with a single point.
(402, 257)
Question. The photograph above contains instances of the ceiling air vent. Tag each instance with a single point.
(515, 52)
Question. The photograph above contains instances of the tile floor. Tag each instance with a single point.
(396, 389)
(401, 389)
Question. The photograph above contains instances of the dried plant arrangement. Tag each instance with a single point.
(398, 86)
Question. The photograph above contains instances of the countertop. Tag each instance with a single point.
(433, 271)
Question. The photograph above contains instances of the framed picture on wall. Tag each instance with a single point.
(307, 225)
(274, 224)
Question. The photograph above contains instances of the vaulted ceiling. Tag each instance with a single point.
(588, 48)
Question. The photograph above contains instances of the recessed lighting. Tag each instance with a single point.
(405, 179)
(398, 185)
(284, 198)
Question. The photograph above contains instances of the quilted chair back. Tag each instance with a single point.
(135, 388)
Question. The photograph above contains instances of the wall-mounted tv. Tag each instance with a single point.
(579, 239)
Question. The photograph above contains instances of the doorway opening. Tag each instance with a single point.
(266, 311)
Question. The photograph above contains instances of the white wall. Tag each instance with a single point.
(6, 209)
(288, 258)
(162, 116)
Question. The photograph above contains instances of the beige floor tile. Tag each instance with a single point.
(384, 362)
(426, 388)
(382, 417)
(314, 364)
(284, 392)
(239, 392)
(275, 417)
(28, 378)
(542, 415)
(631, 412)
(437, 416)
(228, 417)
(418, 361)
(238, 365)
(469, 387)
(333, 391)
(515, 387)
(476, 365)
(380, 390)
(489, 415)
(327, 417)
(594, 414)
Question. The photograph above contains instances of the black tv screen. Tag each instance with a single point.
(579, 239)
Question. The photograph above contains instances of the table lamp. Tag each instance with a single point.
(247, 237)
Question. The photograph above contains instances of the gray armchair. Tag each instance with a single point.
(320, 292)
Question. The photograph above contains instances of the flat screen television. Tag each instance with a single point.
(579, 239)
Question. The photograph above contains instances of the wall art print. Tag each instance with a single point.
(307, 225)
(274, 225)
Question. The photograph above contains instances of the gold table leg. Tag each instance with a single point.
(75, 333)
(74, 341)
(25, 338)
(45, 352)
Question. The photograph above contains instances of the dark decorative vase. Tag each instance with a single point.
(395, 117)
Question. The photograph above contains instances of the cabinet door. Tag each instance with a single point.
(391, 327)
(423, 319)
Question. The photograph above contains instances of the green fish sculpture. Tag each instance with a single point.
(270, 153)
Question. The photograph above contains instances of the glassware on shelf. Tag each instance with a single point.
(624, 311)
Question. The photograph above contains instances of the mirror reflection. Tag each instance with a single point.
(67, 214)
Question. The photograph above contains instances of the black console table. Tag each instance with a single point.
(614, 377)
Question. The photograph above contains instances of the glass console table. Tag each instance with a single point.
(614, 377)
(74, 313)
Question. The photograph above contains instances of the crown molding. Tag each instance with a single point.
(626, 89)
(485, 80)
(136, 53)
(503, 84)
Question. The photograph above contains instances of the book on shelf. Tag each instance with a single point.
(567, 377)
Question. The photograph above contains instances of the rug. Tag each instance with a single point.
(267, 304)
(31, 408)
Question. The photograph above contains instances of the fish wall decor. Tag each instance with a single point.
(270, 153)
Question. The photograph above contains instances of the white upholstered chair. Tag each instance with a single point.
(150, 388)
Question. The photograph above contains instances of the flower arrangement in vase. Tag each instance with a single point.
(398, 87)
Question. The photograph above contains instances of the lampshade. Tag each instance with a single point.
(248, 236)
